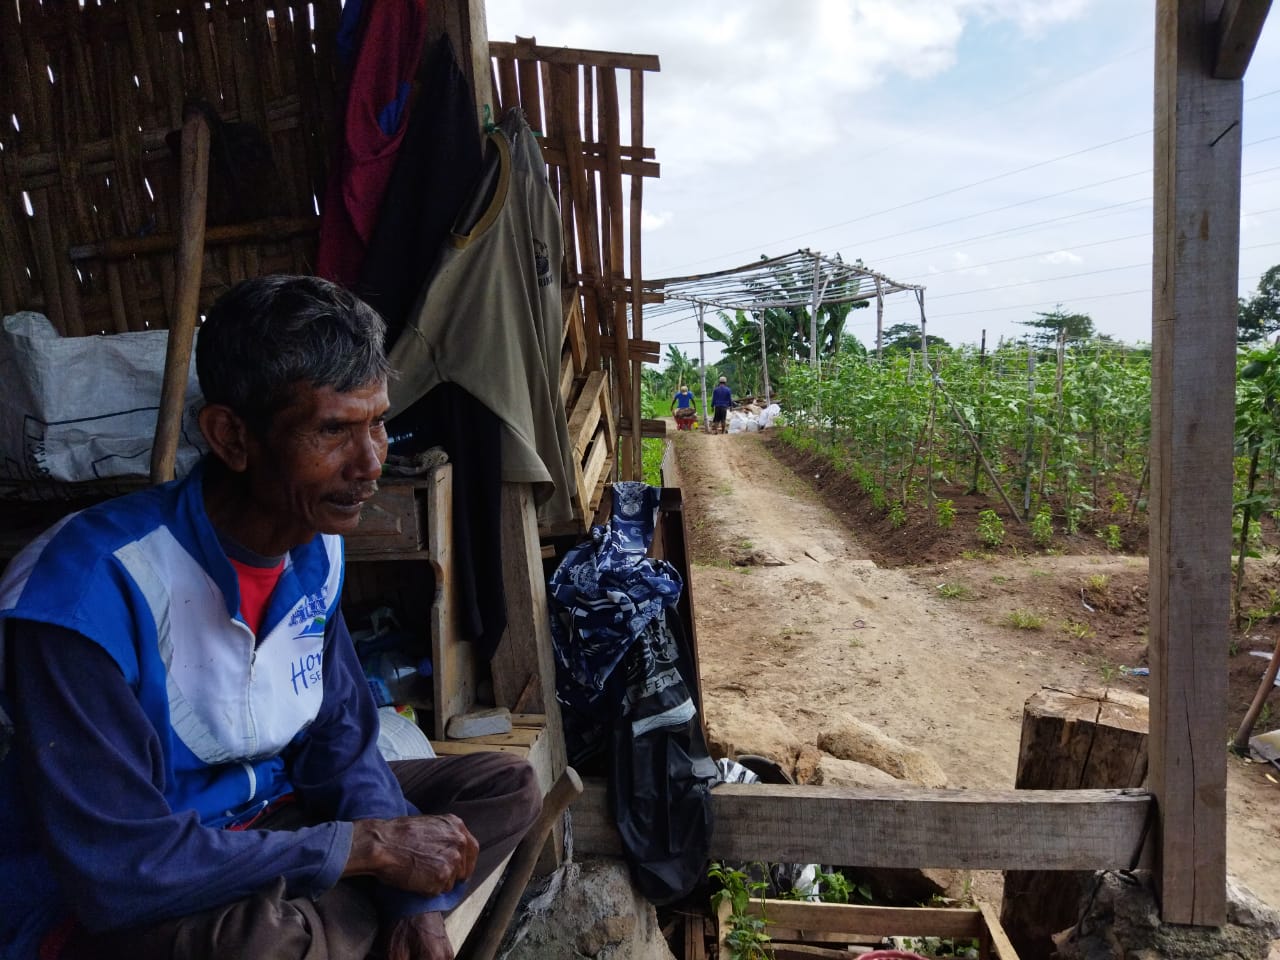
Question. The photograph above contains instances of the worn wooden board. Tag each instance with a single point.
(1194, 280)
(452, 658)
(973, 829)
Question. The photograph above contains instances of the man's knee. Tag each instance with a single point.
(515, 779)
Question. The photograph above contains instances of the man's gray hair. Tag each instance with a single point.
(266, 335)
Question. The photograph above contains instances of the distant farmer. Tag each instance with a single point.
(721, 401)
(682, 407)
(195, 771)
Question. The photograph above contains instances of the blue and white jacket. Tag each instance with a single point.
(183, 722)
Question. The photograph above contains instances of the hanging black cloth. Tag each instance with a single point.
(451, 418)
(436, 171)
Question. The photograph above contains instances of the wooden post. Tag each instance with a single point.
(525, 648)
(464, 22)
(764, 365)
(524, 653)
(1195, 268)
(194, 188)
(1070, 740)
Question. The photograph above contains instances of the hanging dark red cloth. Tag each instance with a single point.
(386, 61)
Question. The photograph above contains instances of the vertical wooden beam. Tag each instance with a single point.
(1239, 26)
(1195, 267)
(525, 648)
(464, 22)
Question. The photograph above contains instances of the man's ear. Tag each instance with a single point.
(227, 435)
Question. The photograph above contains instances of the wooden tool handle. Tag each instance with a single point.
(567, 789)
(194, 186)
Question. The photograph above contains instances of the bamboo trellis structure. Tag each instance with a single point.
(592, 145)
(88, 94)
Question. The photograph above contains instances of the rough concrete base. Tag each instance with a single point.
(1122, 923)
(587, 909)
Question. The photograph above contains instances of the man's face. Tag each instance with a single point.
(320, 459)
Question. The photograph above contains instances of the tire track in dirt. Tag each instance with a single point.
(786, 649)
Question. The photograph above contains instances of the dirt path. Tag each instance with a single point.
(808, 628)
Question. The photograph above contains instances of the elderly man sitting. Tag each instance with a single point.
(196, 771)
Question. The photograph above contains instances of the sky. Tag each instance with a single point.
(998, 152)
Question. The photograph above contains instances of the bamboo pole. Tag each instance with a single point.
(194, 186)
(1028, 452)
(955, 412)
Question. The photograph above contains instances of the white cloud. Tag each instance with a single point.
(962, 265)
(654, 220)
(1062, 256)
(738, 82)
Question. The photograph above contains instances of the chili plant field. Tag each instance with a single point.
(1057, 439)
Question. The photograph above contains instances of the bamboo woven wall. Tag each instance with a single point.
(591, 145)
(87, 96)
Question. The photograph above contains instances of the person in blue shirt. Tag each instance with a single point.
(683, 409)
(721, 401)
(195, 770)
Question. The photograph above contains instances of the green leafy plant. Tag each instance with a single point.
(897, 515)
(990, 528)
(1078, 629)
(1118, 502)
(945, 513)
(1110, 535)
(747, 938)
(954, 591)
(1042, 528)
(1024, 620)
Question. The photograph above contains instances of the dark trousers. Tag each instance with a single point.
(495, 794)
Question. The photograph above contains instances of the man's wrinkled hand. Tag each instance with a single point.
(424, 854)
(420, 937)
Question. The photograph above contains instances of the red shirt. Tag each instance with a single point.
(256, 584)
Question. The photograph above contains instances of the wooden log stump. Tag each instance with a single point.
(1071, 739)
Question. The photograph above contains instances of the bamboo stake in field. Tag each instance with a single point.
(955, 412)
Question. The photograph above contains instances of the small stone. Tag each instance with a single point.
(479, 723)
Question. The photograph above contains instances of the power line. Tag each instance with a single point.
(967, 186)
(1074, 246)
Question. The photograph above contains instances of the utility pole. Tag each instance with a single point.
(924, 339)
(702, 363)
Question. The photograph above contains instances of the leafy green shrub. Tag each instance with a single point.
(945, 514)
(990, 528)
(1042, 528)
(897, 515)
(1110, 535)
